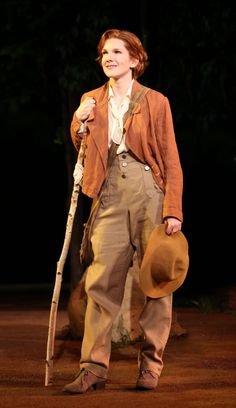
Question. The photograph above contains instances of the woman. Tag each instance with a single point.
(142, 189)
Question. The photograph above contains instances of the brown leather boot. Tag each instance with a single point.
(147, 380)
(85, 381)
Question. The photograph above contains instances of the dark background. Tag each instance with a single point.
(48, 56)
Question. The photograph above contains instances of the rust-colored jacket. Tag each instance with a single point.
(149, 135)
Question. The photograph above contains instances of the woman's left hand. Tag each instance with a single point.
(172, 225)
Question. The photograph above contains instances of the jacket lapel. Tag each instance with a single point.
(137, 110)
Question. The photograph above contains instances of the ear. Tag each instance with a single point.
(134, 63)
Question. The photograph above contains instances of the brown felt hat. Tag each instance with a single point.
(165, 263)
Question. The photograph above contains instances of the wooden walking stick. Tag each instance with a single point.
(78, 174)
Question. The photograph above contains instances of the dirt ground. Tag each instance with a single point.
(199, 371)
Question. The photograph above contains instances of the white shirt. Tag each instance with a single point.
(115, 119)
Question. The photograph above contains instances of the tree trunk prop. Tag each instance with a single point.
(78, 174)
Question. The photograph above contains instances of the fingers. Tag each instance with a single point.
(89, 104)
(172, 225)
(85, 108)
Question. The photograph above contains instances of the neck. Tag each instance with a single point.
(120, 86)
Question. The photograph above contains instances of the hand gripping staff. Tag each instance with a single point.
(77, 174)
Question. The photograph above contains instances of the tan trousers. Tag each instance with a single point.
(131, 206)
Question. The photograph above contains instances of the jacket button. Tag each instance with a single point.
(123, 156)
(147, 168)
(123, 176)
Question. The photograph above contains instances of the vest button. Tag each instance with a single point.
(123, 176)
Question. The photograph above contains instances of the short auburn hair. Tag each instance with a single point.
(132, 44)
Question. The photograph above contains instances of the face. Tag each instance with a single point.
(116, 61)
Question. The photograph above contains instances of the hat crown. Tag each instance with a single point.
(168, 262)
(165, 262)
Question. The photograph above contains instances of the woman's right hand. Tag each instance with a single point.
(85, 108)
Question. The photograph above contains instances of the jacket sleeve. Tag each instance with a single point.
(172, 166)
(74, 128)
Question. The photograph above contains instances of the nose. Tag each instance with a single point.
(108, 57)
